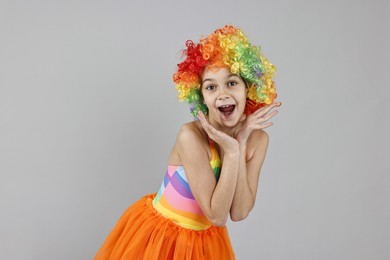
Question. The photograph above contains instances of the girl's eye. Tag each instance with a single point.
(232, 83)
(210, 87)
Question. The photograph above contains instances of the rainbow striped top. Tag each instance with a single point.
(175, 201)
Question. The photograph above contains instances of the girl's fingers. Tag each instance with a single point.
(200, 115)
(266, 125)
(260, 121)
(206, 126)
(264, 110)
(202, 119)
(264, 118)
(268, 116)
(210, 130)
(262, 126)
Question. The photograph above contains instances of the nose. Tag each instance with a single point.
(223, 94)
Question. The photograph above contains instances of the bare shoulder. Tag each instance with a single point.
(258, 142)
(188, 131)
(259, 136)
(190, 136)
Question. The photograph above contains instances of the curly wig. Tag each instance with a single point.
(227, 47)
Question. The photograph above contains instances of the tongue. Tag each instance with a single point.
(226, 109)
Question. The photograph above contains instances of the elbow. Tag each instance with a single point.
(241, 213)
(239, 216)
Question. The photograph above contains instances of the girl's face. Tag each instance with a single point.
(224, 94)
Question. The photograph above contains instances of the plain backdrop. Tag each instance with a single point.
(89, 114)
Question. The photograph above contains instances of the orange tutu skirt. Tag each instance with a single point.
(143, 233)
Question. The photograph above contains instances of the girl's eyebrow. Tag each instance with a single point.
(232, 75)
(228, 76)
(206, 80)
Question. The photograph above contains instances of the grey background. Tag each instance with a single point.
(88, 115)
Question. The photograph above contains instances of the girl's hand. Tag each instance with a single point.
(227, 143)
(257, 120)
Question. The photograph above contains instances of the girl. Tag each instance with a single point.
(214, 167)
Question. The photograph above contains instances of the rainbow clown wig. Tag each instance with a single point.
(225, 48)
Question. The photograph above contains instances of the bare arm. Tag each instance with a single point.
(249, 170)
(248, 177)
(215, 199)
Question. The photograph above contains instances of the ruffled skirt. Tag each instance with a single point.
(143, 233)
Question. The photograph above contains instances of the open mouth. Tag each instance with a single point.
(227, 110)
